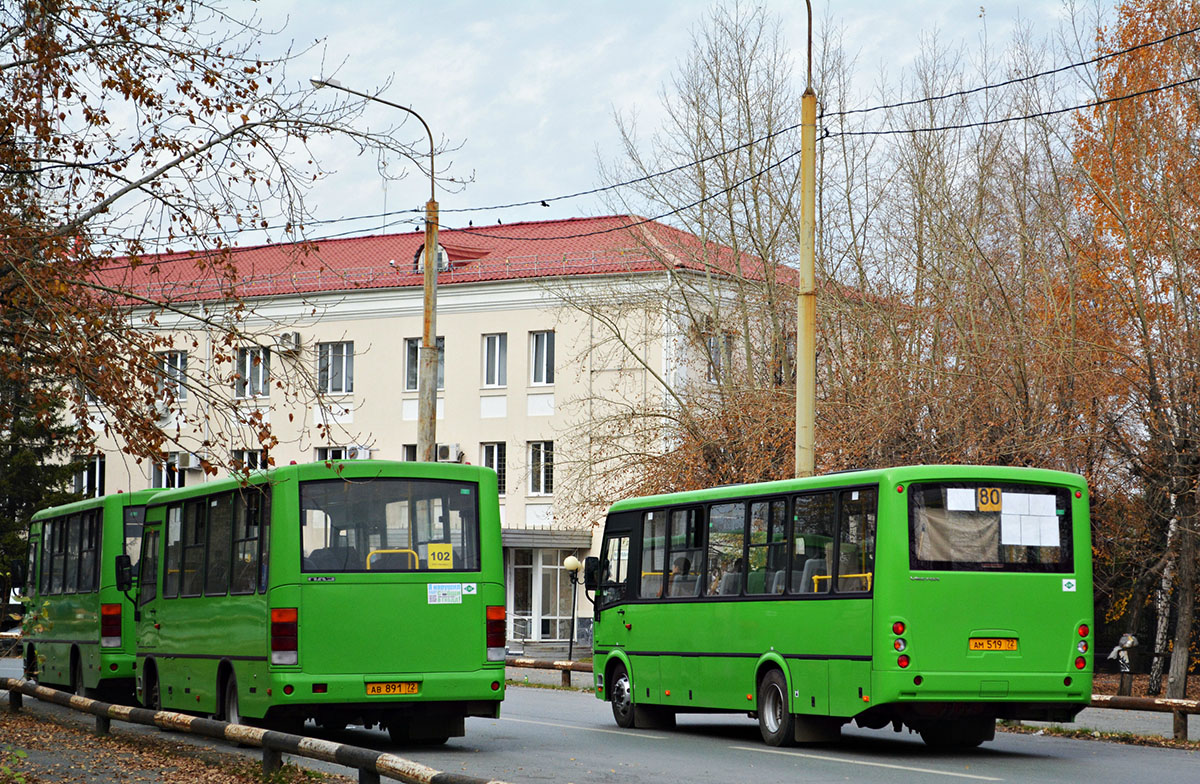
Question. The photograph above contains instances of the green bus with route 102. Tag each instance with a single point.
(359, 592)
(79, 627)
(940, 598)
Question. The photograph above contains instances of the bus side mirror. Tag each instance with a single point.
(591, 573)
(124, 573)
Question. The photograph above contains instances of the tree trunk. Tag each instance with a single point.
(1162, 611)
(1185, 604)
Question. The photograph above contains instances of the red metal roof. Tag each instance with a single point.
(574, 246)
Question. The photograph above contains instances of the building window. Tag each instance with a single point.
(720, 356)
(541, 467)
(495, 360)
(541, 357)
(335, 367)
(89, 481)
(409, 451)
(412, 362)
(253, 372)
(493, 456)
(332, 453)
(169, 472)
(172, 374)
(250, 459)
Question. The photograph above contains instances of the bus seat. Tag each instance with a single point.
(684, 586)
(652, 585)
(779, 581)
(812, 568)
(730, 583)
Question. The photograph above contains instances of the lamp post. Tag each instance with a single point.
(806, 304)
(428, 355)
(572, 565)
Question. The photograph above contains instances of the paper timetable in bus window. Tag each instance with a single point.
(960, 499)
(1029, 520)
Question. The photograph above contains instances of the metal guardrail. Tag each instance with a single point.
(370, 764)
(1180, 709)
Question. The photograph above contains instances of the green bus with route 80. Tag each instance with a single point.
(358, 592)
(79, 628)
(940, 598)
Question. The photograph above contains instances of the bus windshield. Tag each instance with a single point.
(389, 525)
(989, 526)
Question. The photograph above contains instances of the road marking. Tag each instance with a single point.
(869, 764)
(626, 733)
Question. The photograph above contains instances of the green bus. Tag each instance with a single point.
(940, 598)
(361, 592)
(79, 628)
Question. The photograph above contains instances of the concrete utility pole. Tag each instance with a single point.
(806, 305)
(428, 356)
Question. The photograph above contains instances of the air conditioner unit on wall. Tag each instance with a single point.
(358, 453)
(190, 461)
(287, 342)
(448, 453)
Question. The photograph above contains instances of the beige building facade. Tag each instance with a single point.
(332, 367)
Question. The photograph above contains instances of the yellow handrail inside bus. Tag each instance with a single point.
(816, 577)
(413, 565)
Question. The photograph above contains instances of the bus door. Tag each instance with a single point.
(613, 589)
(147, 589)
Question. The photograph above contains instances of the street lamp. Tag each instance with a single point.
(428, 355)
(572, 565)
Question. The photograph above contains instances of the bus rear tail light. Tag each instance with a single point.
(496, 633)
(110, 626)
(1083, 630)
(285, 636)
(1080, 662)
(903, 660)
(898, 628)
(900, 644)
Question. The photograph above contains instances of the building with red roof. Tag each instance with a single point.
(524, 361)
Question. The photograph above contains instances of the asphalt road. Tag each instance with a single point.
(569, 736)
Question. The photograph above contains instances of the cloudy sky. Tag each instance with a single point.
(529, 88)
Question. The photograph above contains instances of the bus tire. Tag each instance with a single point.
(775, 719)
(230, 710)
(621, 696)
(31, 663)
(77, 686)
(152, 689)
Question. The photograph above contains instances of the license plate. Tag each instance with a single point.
(393, 687)
(992, 644)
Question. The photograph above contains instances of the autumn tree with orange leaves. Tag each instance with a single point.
(130, 128)
(1138, 166)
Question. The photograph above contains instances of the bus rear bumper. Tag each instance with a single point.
(476, 693)
(1005, 695)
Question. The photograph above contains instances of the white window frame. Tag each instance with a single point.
(331, 453)
(494, 455)
(541, 358)
(251, 459)
(719, 355)
(412, 363)
(495, 360)
(335, 367)
(541, 471)
(172, 373)
(89, 480)
(168, 473)
(254, 373)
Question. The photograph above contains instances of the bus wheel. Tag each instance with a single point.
(775, 720)
(231, 712)
(77, 687)
(31, 668)
(152, 691)
(621, 692)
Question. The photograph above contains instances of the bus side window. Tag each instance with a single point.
(812, 544)
(148, 581)
(614, 569)
(856, 546)
(654, 547)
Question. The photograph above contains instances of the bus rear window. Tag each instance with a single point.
(389, 525)
(989, 526)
